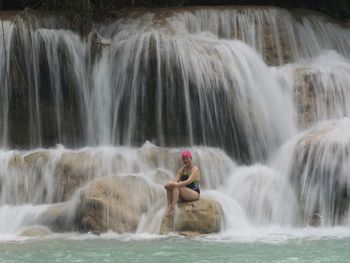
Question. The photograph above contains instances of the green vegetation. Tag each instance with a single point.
(82, 12)
(339, 9)
(78, 12)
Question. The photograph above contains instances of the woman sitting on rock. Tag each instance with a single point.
(185, 185)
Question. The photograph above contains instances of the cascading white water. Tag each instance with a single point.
(212, 105)
(200, 76)
(317, 163)
(40, 177)
(320, 87)
(6, 33)
(280, 36)
(150, 85)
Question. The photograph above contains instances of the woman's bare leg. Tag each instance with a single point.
(169, 194)
(174, 197)
(188, 194)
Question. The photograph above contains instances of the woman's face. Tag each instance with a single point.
(187, 161)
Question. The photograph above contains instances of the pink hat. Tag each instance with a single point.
(186, 154)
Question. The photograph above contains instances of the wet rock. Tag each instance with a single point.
(305, 96)
(60, 217)
(113, 203)
(74, 170)
(162, 176)
(55, 176)
(16, 162)
(320, 94)
(36, 231)
(319, 173)
(189, 234)
(316, 220)
(198, 217)
(63, 173)
(37, 158)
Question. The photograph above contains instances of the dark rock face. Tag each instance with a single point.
(37, 115)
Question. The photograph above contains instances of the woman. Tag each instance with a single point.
(185, 185)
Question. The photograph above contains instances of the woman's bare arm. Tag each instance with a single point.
(178, 175)
(190, 179)
(173, 183)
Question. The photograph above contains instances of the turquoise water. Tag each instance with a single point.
(174, 249)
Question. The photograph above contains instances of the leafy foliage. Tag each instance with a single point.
(339, 9)
(78, 12)
(81, 12)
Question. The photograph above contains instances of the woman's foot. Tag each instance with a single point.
(166, 211)
(169, 212)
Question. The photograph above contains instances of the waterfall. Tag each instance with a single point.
(319, 87)
(280, 36)
(260, 95)
(46, 177)
(317, 162)
(127, 83)
(6, 34)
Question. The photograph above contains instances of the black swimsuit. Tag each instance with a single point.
(194, 185)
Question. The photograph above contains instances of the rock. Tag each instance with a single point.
(114, 203)
(56, 175)
(198, 217)
(37, 158)
(320, 94)
(109, 203)
(316, 220)
(162, 176)
(159, 156)
(189, 234)
(60, 217)
(36, 231)
(319, 173)
(72, 171)
(305, 95)
(50, 176)
(16, 162)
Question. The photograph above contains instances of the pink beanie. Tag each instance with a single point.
(186, 154)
